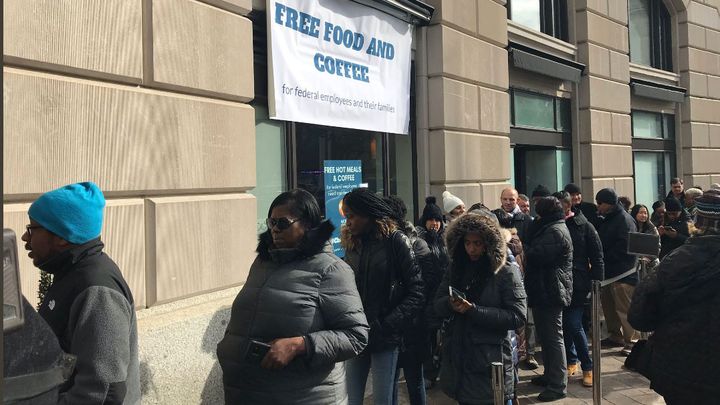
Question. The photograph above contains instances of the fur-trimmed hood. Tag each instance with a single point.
(495, 241)
(383, 229)
(313, 243)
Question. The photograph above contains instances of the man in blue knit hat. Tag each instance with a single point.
(89, 305)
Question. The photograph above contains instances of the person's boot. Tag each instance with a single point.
(572, 369)
(531, 363)
(587, 379)
(549, 396)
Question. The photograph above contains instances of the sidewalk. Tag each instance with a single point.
(620, 387)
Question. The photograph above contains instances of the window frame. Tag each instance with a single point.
(553, 18)
(661, 45)
(665, 145)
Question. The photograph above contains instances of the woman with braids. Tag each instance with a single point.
(390, 285)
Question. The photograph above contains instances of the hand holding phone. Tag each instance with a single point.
(455, 293)
(256, 351)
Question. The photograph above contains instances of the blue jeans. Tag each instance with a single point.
(576, 345)
(412, 366)
(384, 365)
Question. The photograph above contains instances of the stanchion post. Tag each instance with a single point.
(498, 377)
(642, 275)
(596, 353)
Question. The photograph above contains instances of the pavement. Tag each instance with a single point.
(620, 386)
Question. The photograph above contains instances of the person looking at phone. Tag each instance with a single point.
(297, 317)
(484, 298)
(674, 228)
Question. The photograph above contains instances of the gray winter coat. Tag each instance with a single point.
(306, 292)
(480, 336)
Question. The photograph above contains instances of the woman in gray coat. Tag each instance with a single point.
(298, 316)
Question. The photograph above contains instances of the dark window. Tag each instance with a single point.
(650, 34)
(547, 16)
(539, 111)
(653, 146)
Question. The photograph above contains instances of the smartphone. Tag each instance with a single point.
(455, 293)
(256, 351)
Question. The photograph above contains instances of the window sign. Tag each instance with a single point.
(338, 63)
(341, 176)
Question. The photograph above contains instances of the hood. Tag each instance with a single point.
(383, 229)
(495, 243)
(313, 243)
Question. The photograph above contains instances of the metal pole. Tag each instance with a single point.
(643, 274)
(498, 377)
(596, 354)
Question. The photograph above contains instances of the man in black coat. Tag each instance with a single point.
(680, 302)
(589, 210)
(613, 231)
(510, 215)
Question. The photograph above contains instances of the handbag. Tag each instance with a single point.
(640, 358)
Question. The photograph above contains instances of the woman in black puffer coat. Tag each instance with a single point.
(301, 300)
(478, 331)
(548, 282)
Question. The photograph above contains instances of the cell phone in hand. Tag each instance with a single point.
(455, 293)
(256, 351)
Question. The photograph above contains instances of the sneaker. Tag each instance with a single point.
(626, 351)
(609, 343)
(587, 379)
(531, 363)
(549, 396)
(572, 369)
(539, 381)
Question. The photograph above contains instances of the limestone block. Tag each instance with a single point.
(590, 187)
(703, 15)
(491, 193)
(598, 6)
(701, 180)
(704, 110)
(701, 161)
(601, 31)
(695, 135)
(618, 11)
(461, 56)
(620, 66)
(198, 244)
(604, 94)
(469, 193)
(712, 40)
(242, 7)
(468, 157)
(700, 61)
(200, 48)
(714, 136)
(122, 233)
(494, 111)
(94, 38)
(597, 59)
(460, 14)
(621, 129)
(455, 104)
(695, 83)
(713, 87)
(694, 36)
(123, 138)
(625, 186)
(595, 126)
(492, 22)
(606, 160)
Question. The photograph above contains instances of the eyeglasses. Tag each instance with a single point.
(281, 223)
(29, 229)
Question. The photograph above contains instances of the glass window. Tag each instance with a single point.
(526, 12)
(316, 144)
(562, 112)
(647, 125)
(401, 170)
(271, 169)
(650, 34)
(536, 165)
(534, 110)
(652, 174)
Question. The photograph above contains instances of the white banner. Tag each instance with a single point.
(337, 63)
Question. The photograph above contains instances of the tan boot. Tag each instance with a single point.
(587, 379)
(572, 369)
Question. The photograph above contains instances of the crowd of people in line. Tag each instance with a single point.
(441, 300)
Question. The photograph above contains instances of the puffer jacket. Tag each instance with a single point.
(588, 264)
(375, 259)
(613, 231)
(480, 336)
(432, 276)
(549, 262)
(309, 292)
(680, 302)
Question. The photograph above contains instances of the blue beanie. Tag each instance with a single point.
(73, 212)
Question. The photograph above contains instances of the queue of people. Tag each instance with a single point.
(440, 301)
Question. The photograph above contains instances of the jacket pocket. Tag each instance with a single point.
(484, 350)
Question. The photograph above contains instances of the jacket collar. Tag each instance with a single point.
(63, 262)
(314, 242)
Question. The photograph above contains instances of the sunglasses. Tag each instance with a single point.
(281, 223)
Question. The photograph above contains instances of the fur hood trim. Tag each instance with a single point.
(495, 241)
(383, 229)
(313, 243)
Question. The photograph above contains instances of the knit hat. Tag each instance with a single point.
(431, 210)
(366, 203)
(572, 188)
(715, 186)
(607, 196)
(540, 191)
(693, 192)
(708, 211)
(450, 202)
(672, 204)
(73, 212)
